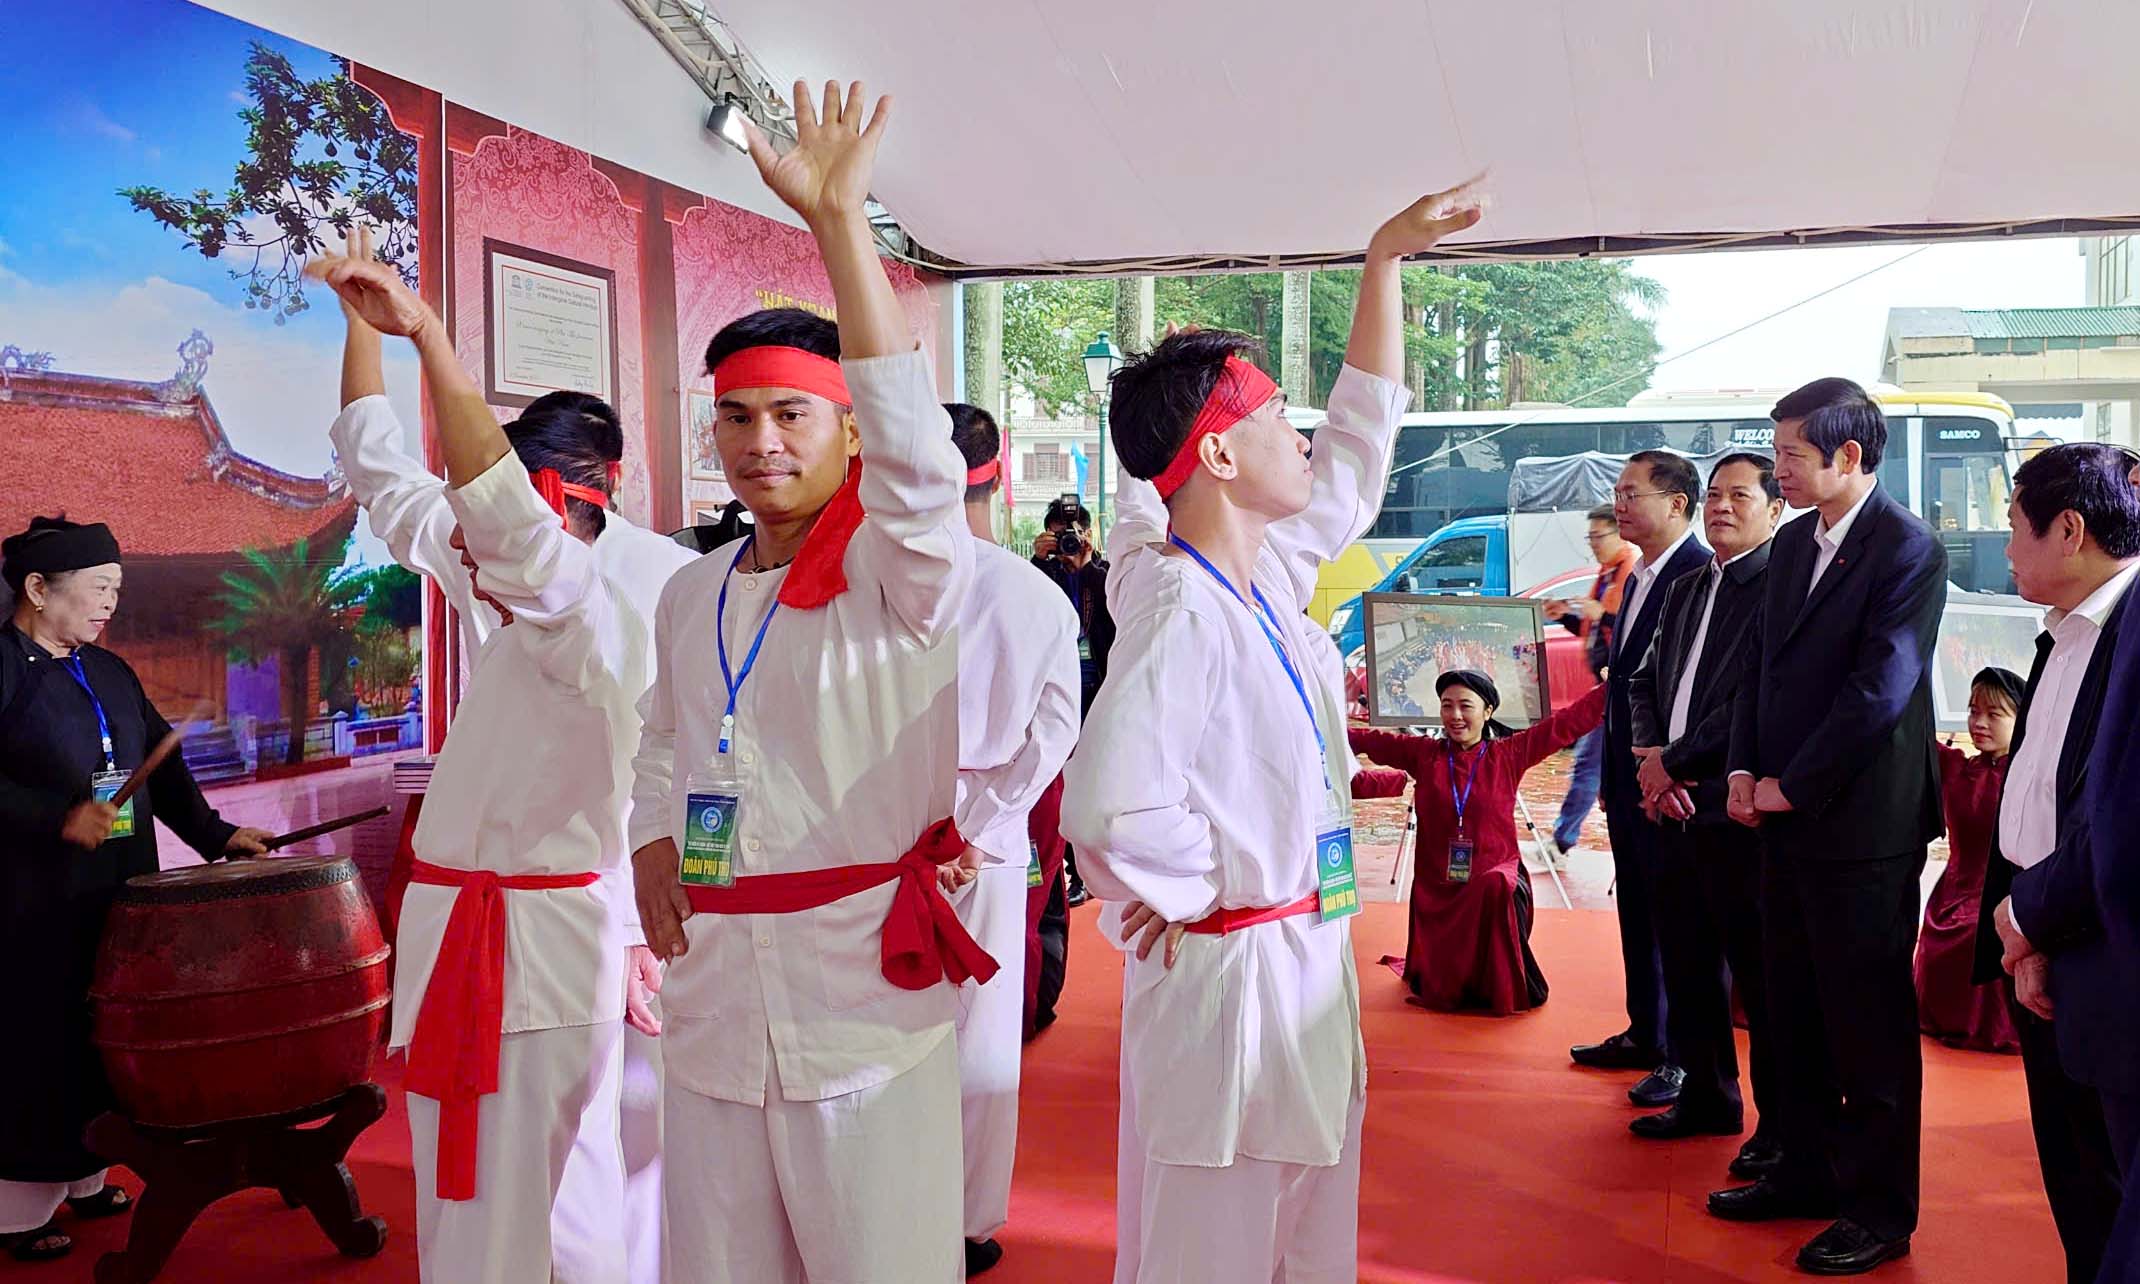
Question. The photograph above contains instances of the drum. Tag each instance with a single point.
(239, 989)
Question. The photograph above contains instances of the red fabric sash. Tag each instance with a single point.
(1221, 922)
(771, 366)
(453, 1055)
(924, 942)
(1240, 392)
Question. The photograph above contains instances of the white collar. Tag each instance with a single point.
(1833, 535)
(2096, 607)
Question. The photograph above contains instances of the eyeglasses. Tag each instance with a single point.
(1630, 496)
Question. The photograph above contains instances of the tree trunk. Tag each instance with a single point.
(1293, 373)
(295, 660)
(1475, 372)
(984, 347)
(1445, 323)
(1136, 307)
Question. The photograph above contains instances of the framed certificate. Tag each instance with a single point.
(549, 325)
(1412, 639)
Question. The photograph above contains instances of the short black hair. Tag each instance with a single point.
(1837, 410)
(1157, 395)
(576, 435)
(1069, 512)
(775, 328)
(1761, 464)
(974, 432)
(2087, 478)
(1673, 474)
(1603, 513)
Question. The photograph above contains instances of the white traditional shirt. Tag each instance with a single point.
(1018, 700)
(535, 776)
(1196, 786)
(846, 744)
(2028, 807)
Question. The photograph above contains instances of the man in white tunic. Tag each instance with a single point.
(1018, 717)
(796, 781)
(1210, 796)
(405, 504)
(513, 960)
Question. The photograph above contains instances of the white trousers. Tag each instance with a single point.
(855, 1189)
(639, 1110)
(991, 1030)
(1250, 1221)
(28, 1205)
(549, 1168)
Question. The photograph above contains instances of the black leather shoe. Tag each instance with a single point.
(1676, 1122)
(1076, 896)
(1847, 1248)
(1757, 1158)
(1660, 1087)
(982, 1255)
(1765, 1201)
(1620, 1052)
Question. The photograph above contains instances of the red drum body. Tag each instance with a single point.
(239, 989)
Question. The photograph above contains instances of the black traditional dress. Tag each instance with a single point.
(54, 896)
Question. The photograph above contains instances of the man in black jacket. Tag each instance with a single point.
(1708, 871)
(1832, 757)
(2075, 549)
(1654, 503)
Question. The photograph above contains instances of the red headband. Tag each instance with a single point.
(555, 490)
(774, 367)
(987, 472)
(1240, 392)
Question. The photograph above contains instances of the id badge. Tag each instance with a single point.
(105, 786)
(712, 805)
(1337, 892)
(1460, 860)
(1032, 865)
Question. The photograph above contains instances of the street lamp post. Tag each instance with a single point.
(1102, 359)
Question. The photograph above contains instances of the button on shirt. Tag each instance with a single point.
(1683, 698)
(1828, 540)
(2028, 812)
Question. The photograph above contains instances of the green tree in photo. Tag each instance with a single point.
(286, 603)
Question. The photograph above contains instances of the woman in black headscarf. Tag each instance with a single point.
(1470, 939)
(74, 722)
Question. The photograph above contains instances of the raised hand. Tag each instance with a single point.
(828, 172)
(356, 245)
(373, 292)
(1420, 226)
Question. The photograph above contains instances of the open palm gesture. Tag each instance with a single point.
(828, 171)
(373, 292)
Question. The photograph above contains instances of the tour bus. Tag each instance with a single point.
(1950, 458)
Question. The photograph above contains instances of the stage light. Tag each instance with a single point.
(725, 122)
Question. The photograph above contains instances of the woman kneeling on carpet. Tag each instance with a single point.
(1469, 945)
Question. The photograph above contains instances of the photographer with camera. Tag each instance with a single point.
(1066, 553)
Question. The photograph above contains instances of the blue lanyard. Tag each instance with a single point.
(1463, 800)
(1263, 618)
(73, 665)
(735, 681)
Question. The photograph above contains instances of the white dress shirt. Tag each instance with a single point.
(846, 743)
(535, 776)
(1643, 579)
(1828, 540)
(2028, 808)
(1683, 697)
(1018, 700)
(1197, 785)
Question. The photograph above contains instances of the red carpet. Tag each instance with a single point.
(1488, 1157)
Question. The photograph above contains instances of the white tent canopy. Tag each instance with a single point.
(1126, 135)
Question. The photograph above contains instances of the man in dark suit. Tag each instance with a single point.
(1832, 757)
(1708, 871)
(1654, 502)
(2113, 852)
(2075, 549)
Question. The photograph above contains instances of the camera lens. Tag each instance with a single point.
(1070, 543)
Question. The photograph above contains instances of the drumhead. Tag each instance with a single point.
(226, 879)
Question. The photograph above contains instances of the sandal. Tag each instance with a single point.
(44, 1244)
(108, 1202)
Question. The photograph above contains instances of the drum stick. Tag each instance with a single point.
(324, 827)
(164, 749)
